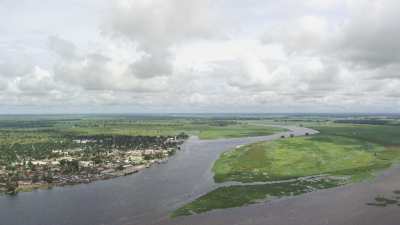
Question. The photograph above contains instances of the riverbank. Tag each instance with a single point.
(344, 205)
(79, 179)
(144, 198)
(67, 180)
(40, 153)
(342, 159)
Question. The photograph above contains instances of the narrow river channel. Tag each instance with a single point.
(144, 198)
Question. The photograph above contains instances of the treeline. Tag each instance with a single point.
(124, 142)
(301, 120)
(19, 124)
(216, 123)
(42, 150)
(367, 121)
(20, 152)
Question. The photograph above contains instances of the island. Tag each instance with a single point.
(344, 152)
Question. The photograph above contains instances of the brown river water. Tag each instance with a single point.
(149, 196)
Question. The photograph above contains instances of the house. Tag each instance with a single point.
(107, 171)
(24, 182)
(86, 163)
(134, 159)
(55, 163)
(39, 163)
(59, 152)
(148, 152)
(134, 153)
(67, 158)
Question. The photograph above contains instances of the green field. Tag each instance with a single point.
(205, 129)
(297, 157)
(339, 155)
(237, 131)
(35, 137)
(384, 135)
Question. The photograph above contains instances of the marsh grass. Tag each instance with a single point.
(382, 201)
(354, 153)
(300, 157)
(239, 195)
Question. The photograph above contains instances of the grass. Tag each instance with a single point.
(381, 201)
(39, 131)
(36, 136)
(58, 130)
(299, 157)
(204, 131)
(339, 155)
(384, 135)
(237, 131)
(235, 196)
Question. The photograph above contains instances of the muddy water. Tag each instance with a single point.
(346, 205)
(144, 198)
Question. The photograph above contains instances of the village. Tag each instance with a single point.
(80, 165)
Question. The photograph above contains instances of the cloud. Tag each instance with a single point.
(97, 71)
(63, 48)
(359, 40)
(161, 23)
(194, 55)
(370, 41)
(152, 65)
(37, 81)
(307, 34)
(157, 26)
(351, 53)
(3, 84)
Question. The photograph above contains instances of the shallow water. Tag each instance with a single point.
(143, 198)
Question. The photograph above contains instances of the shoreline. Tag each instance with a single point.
(82, 180)
(157, 190)
(76, 179)
(352, 197)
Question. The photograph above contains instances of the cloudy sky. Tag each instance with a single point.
(134, 56)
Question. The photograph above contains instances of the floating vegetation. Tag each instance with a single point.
(381, 201)
(295, 166)
(239, 195)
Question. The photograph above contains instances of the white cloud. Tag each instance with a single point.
(264, 56)
(156, 26)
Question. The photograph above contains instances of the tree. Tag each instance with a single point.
(69, 166)
(182, 136)
(11, 185)
(48, 177)
(31, 166)
(148, 157)
(35, 178)
(120, 167)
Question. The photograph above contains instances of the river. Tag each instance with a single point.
(144, 198)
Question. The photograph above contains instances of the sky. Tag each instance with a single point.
(192, 56)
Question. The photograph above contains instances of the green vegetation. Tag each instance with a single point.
(382, 201)
(36, 137)
(238, 195)
(299, 157)
(205, 129)
(342, 153)
(38, 150)
(384, 135)
(237, 131)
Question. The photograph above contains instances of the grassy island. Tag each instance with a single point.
(299, 157)
(339, 155)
